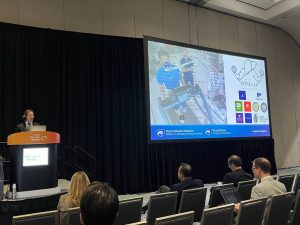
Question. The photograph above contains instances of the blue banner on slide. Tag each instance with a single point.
(173, 132)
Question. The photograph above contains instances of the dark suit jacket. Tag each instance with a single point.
(188, 183)
(236, 177)
(22, 126)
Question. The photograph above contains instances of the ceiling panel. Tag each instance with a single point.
(263, 4)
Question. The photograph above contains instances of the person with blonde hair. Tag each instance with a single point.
(79, 183)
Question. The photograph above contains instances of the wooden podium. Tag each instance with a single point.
(34, 159)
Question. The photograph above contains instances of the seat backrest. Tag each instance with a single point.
(43, 218)
(279, 209)
(245, 187)
(139, 223)
(72, 216)
(129, 211)
(288, 181)
(230, 195)
(216, 198)
(185, 218)
(1, 180)
(297, 183)
(161, 205)
(295, 218)
(220, 215)
(251, 212)
(193, 200)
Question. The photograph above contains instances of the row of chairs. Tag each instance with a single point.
(244, 188)
(251, 212)
(129, 210)
(165, 204)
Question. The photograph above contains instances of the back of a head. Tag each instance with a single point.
(235, 160)
(186, 169)
(79, 183)
(263, 164)
(99, 204)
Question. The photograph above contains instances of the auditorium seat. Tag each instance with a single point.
(193, 200)
(295, 218)
(251, 212)
(288, 181)
(139, 223)
(244, 188)
(279, 209)
(42, 218)
(161, 205)
(71, 216)
(216, 198)
(297, 183)
(220, 215)
(185, 218)
(129, 211)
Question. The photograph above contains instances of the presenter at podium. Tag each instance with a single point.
(28, 118)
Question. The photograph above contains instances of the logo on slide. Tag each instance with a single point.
(242, 95)
(238, 106)
(248, 75)
(259, 96)
(255, 118)
(160, 132)
(255, 106)
(239, 117)
(248, 118)
(208, 131)
(263, 107)
(247, 106)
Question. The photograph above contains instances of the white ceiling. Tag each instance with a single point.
(263, 4)
(284, 14)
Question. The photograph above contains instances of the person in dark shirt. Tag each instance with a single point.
(28, 118)
(237, 174)
(187, 68)
(184, 175)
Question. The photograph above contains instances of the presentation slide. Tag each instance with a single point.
(35, 156)
(201, 94)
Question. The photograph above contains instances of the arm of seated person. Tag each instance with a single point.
(237, 207)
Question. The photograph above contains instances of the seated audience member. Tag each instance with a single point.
(267, 187)
(99, 205)
(184, 175)
(237, 174)
(79, 183)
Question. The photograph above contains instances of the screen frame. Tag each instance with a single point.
(146, 39)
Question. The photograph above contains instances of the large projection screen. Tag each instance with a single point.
(196, 93)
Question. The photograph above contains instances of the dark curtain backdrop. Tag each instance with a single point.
(90, 89)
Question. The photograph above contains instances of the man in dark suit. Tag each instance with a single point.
(237, 174)
(28, 118)
(186, 181)
(184, 175)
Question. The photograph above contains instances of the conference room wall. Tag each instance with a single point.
(177, 21)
